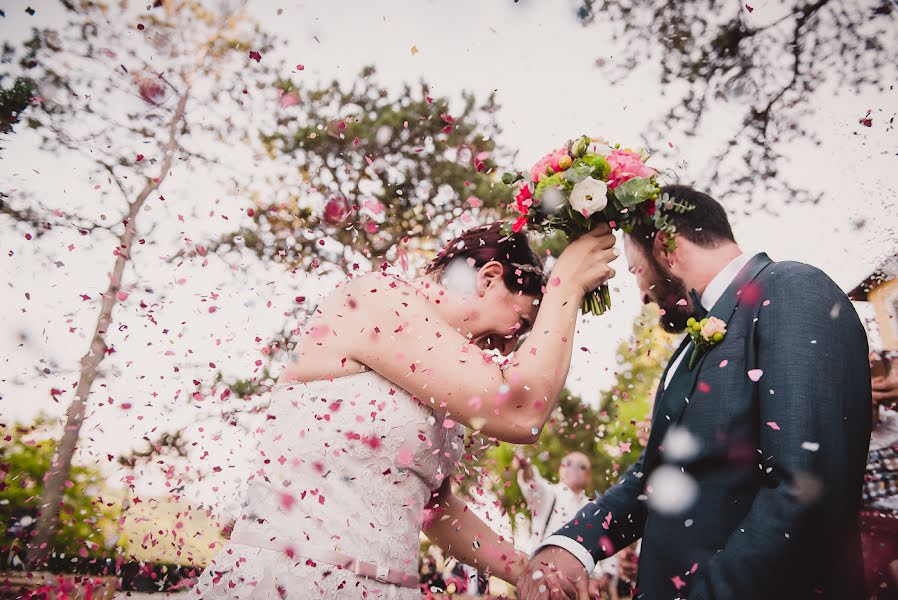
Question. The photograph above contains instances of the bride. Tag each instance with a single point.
(365, 424)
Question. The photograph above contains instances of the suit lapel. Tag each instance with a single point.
(672, 401)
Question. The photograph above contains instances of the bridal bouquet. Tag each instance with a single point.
(580, 185)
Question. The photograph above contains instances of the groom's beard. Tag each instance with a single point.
(668, 291)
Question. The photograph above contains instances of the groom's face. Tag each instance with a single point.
(659, 285)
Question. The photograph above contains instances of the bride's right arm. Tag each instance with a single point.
(430, 360)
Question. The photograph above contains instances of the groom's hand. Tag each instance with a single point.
(554, 573)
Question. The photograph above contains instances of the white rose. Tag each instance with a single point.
(589, 196)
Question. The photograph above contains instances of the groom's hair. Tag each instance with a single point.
(522, 268)
(705, 224)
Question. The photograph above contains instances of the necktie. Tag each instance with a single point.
(698, 310)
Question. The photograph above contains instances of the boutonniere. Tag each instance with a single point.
(705, 334)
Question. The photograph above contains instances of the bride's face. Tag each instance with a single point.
(494, 317)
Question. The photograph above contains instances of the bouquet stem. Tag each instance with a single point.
(597, 301)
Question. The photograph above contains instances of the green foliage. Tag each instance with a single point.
(603, 434)
(25, 455)
(407, 163)
(600, 166)
(553, 181)
(14, 101)
(636, 191)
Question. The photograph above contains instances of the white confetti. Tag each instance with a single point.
(671, 490)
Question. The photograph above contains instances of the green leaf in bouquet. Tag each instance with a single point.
(511, 178)
(575, 222)
(554, 242)
(612, 211)
(506, 228)
(578, 172)
(600, 166)
(546, 182)
(635, 191)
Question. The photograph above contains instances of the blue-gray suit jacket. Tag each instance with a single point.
(779, 463)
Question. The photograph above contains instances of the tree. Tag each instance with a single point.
(606, 434)
(25, 454)
(13, 102)
(764, 65)
(115, 79)
(381, 174)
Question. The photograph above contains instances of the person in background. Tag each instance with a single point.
(879, 517)
(553, 504)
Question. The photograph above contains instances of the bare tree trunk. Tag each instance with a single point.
(40, 546)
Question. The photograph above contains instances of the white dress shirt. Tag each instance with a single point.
(713, 291)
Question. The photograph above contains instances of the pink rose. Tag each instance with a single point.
(549, 160)
(625, 166)
(336, 210)
(713, 327)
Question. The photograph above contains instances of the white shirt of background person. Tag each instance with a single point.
(563, 499)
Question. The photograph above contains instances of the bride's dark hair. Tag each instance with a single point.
(523, 269)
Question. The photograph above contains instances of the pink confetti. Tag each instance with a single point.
(287, 501)
(289, 99)
(773, 425)
(405, 457)
(678, 583)
(121, 296)
(724, 363)
(755, 375)
(374, 206)
(751, 293)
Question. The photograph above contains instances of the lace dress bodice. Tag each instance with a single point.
(348, 465)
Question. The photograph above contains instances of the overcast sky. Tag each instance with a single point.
(511, 48)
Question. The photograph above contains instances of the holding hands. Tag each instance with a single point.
(556, 574)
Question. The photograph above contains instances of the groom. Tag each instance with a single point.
(750, 484)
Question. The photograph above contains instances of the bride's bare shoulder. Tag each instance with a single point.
(371, 294)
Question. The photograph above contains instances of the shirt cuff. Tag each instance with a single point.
(579, 552)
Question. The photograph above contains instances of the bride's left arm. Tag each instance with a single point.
(450, 525)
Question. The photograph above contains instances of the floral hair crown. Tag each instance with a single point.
(656, 214)
(527, 268)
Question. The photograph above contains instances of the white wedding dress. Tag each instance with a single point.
(343, 466)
